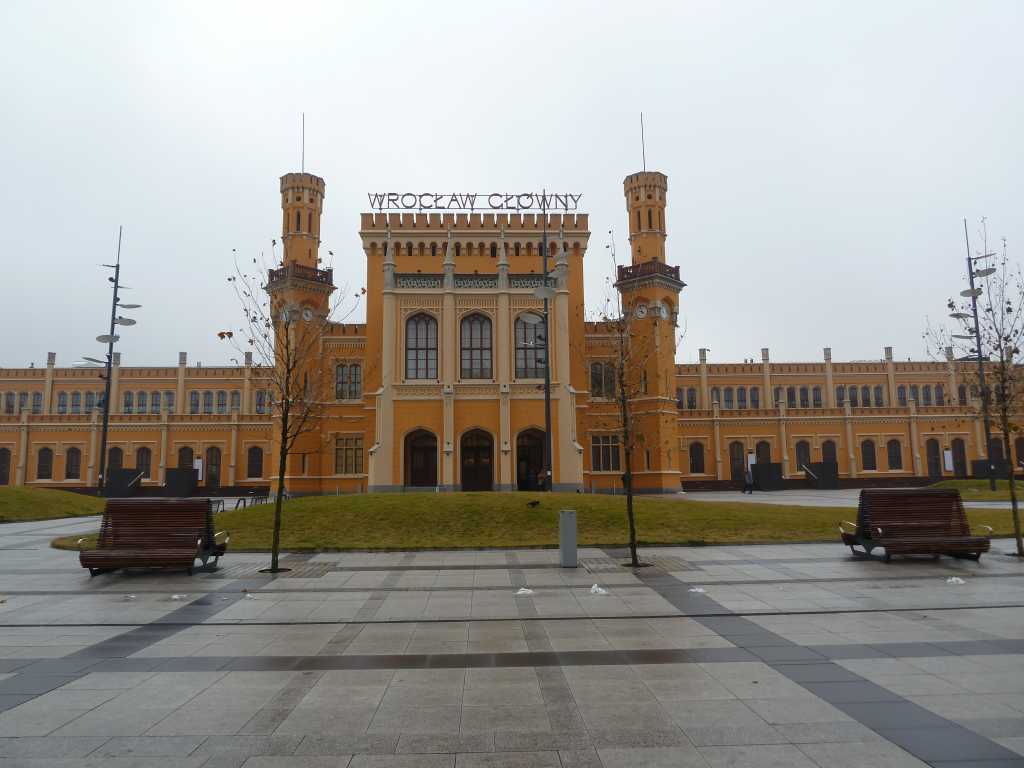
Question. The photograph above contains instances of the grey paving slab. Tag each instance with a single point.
(653, 757)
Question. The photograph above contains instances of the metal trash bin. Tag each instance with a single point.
(567, 538)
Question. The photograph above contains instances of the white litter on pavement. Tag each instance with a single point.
(955, 580)
(178, 597)
(697, 589)
(598, 590)
(524, 592)
(250, 596)
(129, 598)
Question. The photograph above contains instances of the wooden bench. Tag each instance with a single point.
(155, 533)
(913, 521)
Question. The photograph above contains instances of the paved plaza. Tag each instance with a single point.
(742, 656)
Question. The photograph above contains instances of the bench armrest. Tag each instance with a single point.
(987, 528)
(79, 544)
(847, 522)
(225, 534)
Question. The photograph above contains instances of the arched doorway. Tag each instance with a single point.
(764, 452)
(736, 460)
(959, 458)
(529, 459)
(934, 455)
(213, 467)
(421, 459)
(477, 452)
(5, 466)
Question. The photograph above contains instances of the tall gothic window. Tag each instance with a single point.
(144, 461)
(602, 380)
(865, 396)
(154, 402)
(76, 402)
(90, 401)
(879, 396)
(867, 455)
(193, 402)
(37, 403)
(901, 395)
(476, 346)
(222, 402)
(421, 347)
(169, 401)
(236, 401)
(530, 349)
(741, 397)
(727, 394)
(129, 402)
(691, 398)
(803, 454)
(115, 459)
(940, 395)
(840, 395)
(141, 402)
(44, 464)
(805, 400)
(895, 454)
(755, 397)
(73, 464)
(348, 381)
(254, 462)
(696, 458)
(207, 402)
(816, 397)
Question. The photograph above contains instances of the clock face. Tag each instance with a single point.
(641, 310)
(307, 314)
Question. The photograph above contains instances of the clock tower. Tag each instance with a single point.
(300, 293)
(650, 288)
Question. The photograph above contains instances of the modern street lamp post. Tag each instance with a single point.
(973, 294)
(109, 339)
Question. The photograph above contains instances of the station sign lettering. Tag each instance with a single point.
(472, 201)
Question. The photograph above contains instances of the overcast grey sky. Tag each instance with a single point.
(820, 155)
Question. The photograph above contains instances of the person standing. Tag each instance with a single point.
(748, 476)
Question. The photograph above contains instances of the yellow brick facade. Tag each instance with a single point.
(441, 387)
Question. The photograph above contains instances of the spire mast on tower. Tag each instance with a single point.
(303, 142)
(643, 145)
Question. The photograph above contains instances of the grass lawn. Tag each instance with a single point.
(18, 505)
(451, 520)
(977, 490)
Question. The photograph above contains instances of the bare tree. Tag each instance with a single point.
(286, 339)
(1000, 330)
(633, 347)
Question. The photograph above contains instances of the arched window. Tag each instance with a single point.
(62, 403)
(348, 381)
(816, 397)
(421, 347)
(494, 250)
(154, 402)
(236, 401)
(475, 334)
(433, 249)
(805, 400)
(37, 403)
(44, 464)
(828, 451)
(691, 398)
(90, 401)
(865, 396)
(778, 397)
(901, 395)
(879, 396)
(803, 454)
(73, 464)
(638, 225)
(408, 249)
(298, 221)
(8, 403)
(940, 395)
(530, 349)
(207, 402)
(222, 401)
(715, 396)
(696, 458)
(193, 402)
(791, 397)
(5, 466)
(961, 394)
(840, 395)
(763, 450)
(185, 456)
(254, 462)
(309, 222)
(926, 394)
(727, 394)
(867, 455)
(895, 454)
(261, 400)
(129, 402)
(915, 394)
(141, 402)
(115, 459)
(851, 394)
(755, 397)
(741, 397)
(76, 402)
(143, 461)
(169, 401)
(680, 397)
